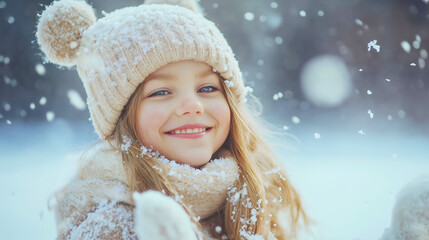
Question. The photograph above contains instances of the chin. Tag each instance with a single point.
(195, 160)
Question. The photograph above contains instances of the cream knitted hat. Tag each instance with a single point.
(117, 52)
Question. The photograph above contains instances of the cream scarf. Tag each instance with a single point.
(101, 177)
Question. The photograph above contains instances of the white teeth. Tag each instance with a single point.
(195, 130)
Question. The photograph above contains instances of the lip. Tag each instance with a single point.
(189, 135)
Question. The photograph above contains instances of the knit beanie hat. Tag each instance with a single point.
(114, 54)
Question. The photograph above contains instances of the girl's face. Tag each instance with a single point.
(183, 112)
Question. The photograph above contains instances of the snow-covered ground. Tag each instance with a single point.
(348, 181)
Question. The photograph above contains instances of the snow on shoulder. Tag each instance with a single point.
(157, 215)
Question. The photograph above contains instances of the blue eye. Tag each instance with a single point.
(159, 93)
(207, 89)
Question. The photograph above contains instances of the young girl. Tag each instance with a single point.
(167, 99)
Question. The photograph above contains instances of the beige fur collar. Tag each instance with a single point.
(101, 177)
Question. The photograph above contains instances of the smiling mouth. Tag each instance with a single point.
(189, 131)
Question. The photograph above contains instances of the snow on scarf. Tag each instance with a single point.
(101, 177)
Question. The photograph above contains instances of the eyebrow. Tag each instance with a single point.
(199, 75)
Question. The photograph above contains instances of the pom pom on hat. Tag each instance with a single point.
(60, 30)
(189, 4)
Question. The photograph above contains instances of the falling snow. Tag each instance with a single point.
(423, 53)
(371, 114)
(401, 113)
(50, 116)
(296, 120)
(274, 5)
(316, 135)
(76, 100)
(406, 46)
(359, 22)
(322, 74)
(422, 63)
(373, 44)
(277, 96)
(249, 16)
(416, 44)
(7, 107)
(43, 101)
(11, 20)
(6, 60)
(278, 40)
(40, 69)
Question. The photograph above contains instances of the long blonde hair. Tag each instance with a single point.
(258, 198)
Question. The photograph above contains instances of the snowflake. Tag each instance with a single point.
(371, 114)
(374, 45)
(316, 135)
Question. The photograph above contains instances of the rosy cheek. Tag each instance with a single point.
(221, 111)
(150, 121)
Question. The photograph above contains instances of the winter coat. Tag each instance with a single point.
(96, 203)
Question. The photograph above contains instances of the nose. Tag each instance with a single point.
(189, 106)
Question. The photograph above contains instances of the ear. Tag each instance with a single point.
(60, 29)
(189, 4)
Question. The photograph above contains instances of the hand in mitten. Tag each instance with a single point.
(159, 217)
(410, 215)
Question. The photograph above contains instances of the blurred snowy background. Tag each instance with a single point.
(349, 79)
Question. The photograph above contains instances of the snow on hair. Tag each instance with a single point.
(60, 29)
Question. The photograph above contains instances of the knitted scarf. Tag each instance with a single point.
(101, 177)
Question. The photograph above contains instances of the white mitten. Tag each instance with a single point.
(410, 215)
(159, 217)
